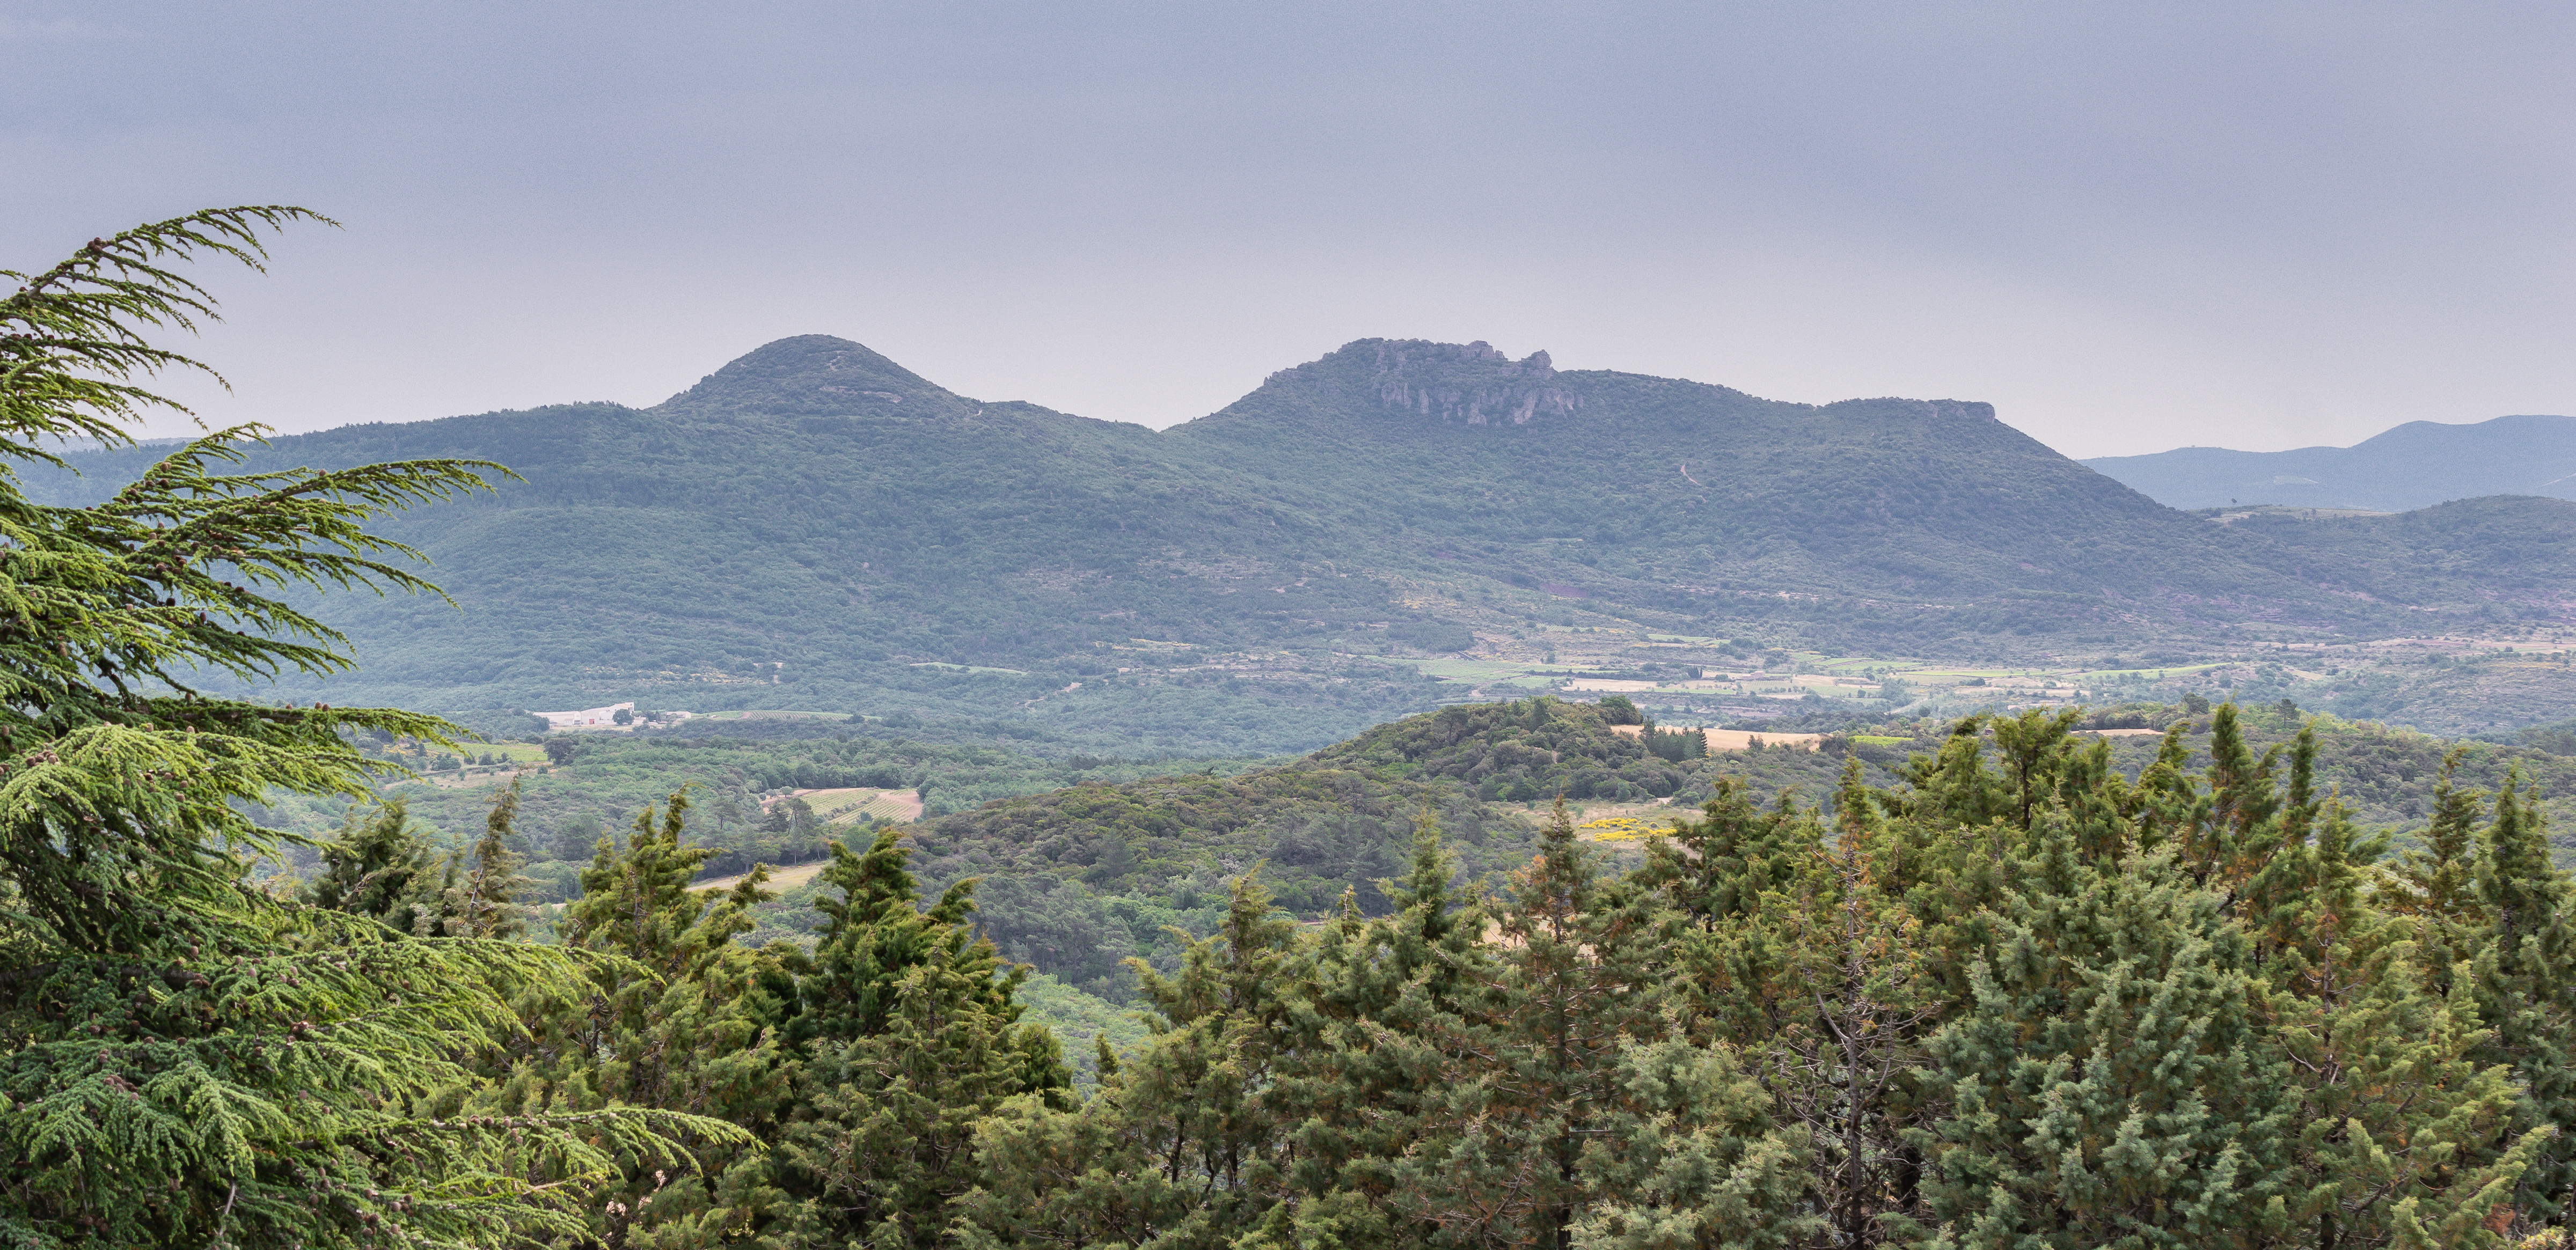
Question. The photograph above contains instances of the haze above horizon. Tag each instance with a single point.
(2129, 230)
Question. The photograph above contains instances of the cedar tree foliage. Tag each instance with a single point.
(184, 1058)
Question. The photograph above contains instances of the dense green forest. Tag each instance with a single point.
(1087, 861)
(1081, 878)
(591, 783)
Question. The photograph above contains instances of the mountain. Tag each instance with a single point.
(814, 526)
(1916, 523)
(2415, 465)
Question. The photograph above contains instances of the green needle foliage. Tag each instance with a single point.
(190, 1061)
(677, 1016)
(2018, 1000)
(382, 864)
(484, 903)
(913, 1038)
(1181, 1145)
(1572, 1107)
(2525, 976)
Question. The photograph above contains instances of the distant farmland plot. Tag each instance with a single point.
(781, 879)
(1481, 672)
(1738, 739)
(855, 803)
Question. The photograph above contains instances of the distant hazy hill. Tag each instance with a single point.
(814, 526)
(2415, 465)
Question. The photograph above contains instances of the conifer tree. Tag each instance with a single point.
(677, 1017)
(1808, 976)
(1693, 1159)
(1354, 1076)
(871, 933)
(2525, 980)
(2234, 833)
(1727, 876)
(1953, 787)
(2108, 1082)
(1569, 1104)
(2438, 883)
(1950, 827)
(1855, 1005)
(1179, 1147)
(911, 1037)
(2312, 855)
(2166, 800)
(1716, 869)
(382, 865)
(2402, 1135)
(2033, 749)
(190, 1061)
(485, 902)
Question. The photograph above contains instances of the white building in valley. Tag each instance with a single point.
(588, 718)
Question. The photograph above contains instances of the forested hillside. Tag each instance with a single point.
(814, 526)
(1691, 496)
(1829, 1021)
(1086, 861)
(1079, 880)
(2452, 553)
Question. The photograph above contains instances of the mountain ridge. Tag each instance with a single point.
(813, 525)
(2400, 469)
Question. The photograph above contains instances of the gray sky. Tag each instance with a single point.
(2131, 227)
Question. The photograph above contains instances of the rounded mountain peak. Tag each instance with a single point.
(809, 375)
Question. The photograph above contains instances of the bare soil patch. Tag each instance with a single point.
(779, 878)
(1738, 739)
(848, 803)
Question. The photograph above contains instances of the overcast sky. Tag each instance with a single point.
(2131, 227)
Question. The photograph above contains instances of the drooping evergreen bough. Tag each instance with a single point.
(190, 1060)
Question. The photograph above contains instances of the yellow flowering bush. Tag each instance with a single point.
(1622, 829)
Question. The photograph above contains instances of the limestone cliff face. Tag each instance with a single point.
(1471, 384)
(1463, 384)
(1964, 409)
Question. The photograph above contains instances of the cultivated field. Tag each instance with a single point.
(781, 879)
(841, 806)
(1738, 739)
